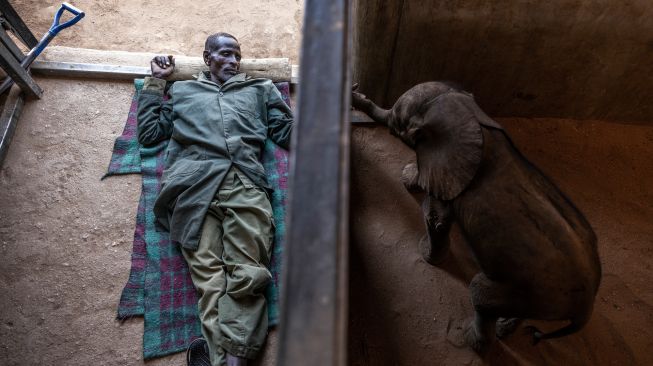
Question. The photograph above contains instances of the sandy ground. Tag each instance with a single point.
(267, 28)
(65, 236)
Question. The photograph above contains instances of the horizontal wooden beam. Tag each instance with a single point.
(99, 63)
(94, 71)
(294, 78)
(102, 71)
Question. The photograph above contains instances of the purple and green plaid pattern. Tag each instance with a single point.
(126, 159)
(275, 162)
(159, 285)
(171, 319)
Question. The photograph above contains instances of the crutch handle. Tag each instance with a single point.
(56, 27)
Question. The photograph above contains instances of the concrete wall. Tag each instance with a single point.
(558, 58)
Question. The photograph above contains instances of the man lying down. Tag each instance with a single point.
(214, 199)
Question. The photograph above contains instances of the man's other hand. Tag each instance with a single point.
(162, 66)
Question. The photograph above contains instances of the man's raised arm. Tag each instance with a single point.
(280, 119)
(155, 114)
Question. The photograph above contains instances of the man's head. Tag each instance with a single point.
(222, 56)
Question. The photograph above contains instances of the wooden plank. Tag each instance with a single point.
(18, 74)
(313, 328)
(103, 71)
(276, 69)
(294, 78)
(94, 71)
(9, 119)
(22, 31)
(118, 72)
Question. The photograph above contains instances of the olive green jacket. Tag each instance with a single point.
(210, 128)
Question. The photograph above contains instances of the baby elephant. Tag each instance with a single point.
(536, 251)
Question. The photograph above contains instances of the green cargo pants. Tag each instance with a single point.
(229, 269)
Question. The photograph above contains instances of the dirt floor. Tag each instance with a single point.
(267, 28)
(66, 236)
(406, 312)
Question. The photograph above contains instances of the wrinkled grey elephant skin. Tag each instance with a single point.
(537, 252)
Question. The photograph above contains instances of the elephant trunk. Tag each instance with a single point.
(375, 112)
(379, 114)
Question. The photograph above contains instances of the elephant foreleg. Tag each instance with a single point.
(437, 217)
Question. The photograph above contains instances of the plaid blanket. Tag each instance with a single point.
(159, 287)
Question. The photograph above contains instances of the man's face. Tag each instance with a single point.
(224, 60)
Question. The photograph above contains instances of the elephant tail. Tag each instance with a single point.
(574, 326)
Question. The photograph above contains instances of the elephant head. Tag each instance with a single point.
(442, 125)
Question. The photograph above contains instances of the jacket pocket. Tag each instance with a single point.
(184, 163)
(186, 171)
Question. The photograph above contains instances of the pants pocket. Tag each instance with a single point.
(247, 183)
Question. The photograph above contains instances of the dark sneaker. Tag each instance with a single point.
(198, 353)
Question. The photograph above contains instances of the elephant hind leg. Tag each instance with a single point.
(506, 326)
(491, 301)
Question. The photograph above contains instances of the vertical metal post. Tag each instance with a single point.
(313, 327)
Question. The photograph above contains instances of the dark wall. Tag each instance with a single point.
(558, 58)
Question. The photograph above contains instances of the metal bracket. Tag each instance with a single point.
(20, 29)
(9, 118)
(18, 74)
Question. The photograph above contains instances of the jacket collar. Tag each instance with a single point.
(204, 76)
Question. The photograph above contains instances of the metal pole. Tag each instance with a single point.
(313, 326)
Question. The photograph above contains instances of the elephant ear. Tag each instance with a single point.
(449, 147)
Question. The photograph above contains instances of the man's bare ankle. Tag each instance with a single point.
(236, 361)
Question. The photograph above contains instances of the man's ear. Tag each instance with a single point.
(206, 54)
